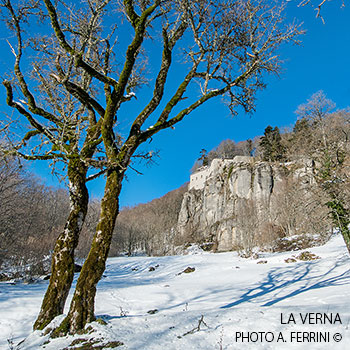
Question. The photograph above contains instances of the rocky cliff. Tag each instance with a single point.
(244, 200)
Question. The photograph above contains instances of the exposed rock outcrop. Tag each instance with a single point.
(239, 198)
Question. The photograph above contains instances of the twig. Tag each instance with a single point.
(198, 328)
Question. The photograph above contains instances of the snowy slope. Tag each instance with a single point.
(233, 295)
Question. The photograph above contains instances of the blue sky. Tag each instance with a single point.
(321, 62)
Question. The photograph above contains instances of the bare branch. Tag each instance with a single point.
(23, 111)
(168, 45)
(69, 49)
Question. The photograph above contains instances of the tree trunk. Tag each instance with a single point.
(346, 236)
(62, 266)
(83, 303)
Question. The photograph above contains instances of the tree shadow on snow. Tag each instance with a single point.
(284, 283)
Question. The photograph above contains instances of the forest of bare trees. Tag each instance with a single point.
(31, 216)
(149, 228)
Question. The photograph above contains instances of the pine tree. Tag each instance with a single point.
(271, 144)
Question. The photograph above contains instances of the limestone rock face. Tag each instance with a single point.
(234, 192)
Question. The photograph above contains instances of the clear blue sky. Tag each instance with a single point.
(322, 62)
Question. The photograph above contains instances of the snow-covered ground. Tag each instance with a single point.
(243, 304)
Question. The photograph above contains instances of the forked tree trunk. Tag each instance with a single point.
(62, 267)
(83, 303)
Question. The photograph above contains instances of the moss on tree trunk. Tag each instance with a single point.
(83, 303)
(62, 267)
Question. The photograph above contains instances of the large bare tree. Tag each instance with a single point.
(225, 49)
(60, 117)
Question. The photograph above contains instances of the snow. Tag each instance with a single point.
(232, 294)
(130, 94)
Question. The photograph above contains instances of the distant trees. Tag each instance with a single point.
(31, 215)
(149, 228)
(271, 145)
(227, 149)
(322, 134)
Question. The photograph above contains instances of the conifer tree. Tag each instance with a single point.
(271, 144)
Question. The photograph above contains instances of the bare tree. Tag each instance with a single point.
(314, 112)
(248, 224)
(226, 48)
(329, 146)
(60, 118)
(300, 207)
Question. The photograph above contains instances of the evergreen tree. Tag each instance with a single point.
(204, 157)
(271, 144)
(301, 125)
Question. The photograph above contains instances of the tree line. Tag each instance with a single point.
(31, 217)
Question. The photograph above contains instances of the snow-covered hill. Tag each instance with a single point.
(227, 303)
